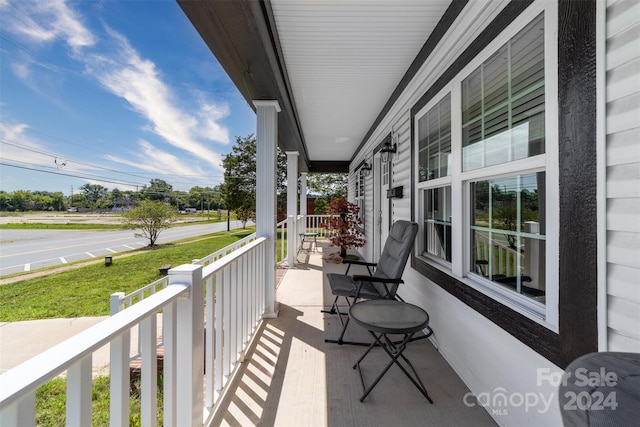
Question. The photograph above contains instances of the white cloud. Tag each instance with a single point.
(209, 127)
(120, 69)
(151, 159)
(126, 74)
(47, 21)
(18, 147)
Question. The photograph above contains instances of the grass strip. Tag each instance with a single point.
(85, 291)
(65, 226)
(91, 226)
(51, 402)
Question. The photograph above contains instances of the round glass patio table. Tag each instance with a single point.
(390, 317)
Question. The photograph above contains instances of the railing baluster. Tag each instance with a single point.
(22, 412)
(225, 328)
(233, 324)
(240, 308)
(79, 393)
(210, 327)
(219, 308)
(119, 380)
(247, 290)
(149, 378)
(169, 365)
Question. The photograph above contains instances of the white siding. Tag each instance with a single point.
(623, 175)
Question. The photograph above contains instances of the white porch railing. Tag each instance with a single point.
(281, 234)
(310, 223)
(235, 296)
(118, 301)
(505, 259)
(225, 251)
(313, 224)
(235, 300)
(19, 385)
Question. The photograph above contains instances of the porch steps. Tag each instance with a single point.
(135, 365)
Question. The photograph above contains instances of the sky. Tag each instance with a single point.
(111, 92)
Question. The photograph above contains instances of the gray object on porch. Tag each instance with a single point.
(601, 389)
(382, 283)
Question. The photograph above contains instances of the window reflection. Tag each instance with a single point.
(508, 232)
(503, 103)
(434, 149)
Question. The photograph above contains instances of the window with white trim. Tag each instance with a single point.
(434, 176)
(492, 169)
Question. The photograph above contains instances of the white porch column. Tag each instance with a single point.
(303, 195)
(292, 206)
(266, 141)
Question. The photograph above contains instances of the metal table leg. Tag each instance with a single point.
(394, 350)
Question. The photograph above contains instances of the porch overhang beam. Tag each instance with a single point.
(329, 167)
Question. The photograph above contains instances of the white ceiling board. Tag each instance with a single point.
(344, 59)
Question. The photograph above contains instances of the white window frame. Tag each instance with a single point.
(459, 181)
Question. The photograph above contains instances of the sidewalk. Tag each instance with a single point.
(20, 341)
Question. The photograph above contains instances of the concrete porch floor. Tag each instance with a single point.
(291, 377)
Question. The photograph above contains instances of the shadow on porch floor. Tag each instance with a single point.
(291, 377)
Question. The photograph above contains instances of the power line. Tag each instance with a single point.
(56, 156)
(86, 175)
(57, 172)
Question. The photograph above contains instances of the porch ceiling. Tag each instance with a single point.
(333, 65)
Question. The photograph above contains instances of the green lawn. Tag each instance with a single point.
(66, 226)
(51, 401)
(193, 220)
(85, 291)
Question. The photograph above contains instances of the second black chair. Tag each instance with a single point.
(382, 283)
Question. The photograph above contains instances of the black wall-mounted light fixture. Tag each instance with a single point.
(388, 149)
(365, 170)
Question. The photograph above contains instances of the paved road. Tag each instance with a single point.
(26, 250)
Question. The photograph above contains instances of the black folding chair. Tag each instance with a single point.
(382, 283)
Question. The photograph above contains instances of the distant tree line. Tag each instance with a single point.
(97, 197)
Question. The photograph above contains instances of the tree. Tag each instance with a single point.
(321, 206)
(239, 187)
(59, 201)
(79, 200)
(94, 193)
(151, 217)
(328, 185)
(244, 215)
(344, 225)
(158, 189)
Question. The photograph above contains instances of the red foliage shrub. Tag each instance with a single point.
(344, 225)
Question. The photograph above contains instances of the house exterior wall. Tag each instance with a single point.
(489, 359)
(622, 187)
